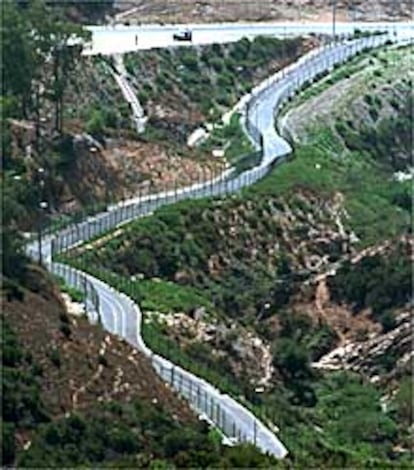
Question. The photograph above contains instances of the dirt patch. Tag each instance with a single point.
(80, 364)
(380, 74)
(181, 11)
(150, 167)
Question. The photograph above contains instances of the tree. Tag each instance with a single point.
(33, 40)
(96, 123)
(292, 359)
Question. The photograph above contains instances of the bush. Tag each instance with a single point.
(369, 100)
(96, 123)
(387, 320)
(217, 63)
(190, 60)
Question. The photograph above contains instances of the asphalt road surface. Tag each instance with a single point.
(120, 38)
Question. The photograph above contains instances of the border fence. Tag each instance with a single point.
(234, 420)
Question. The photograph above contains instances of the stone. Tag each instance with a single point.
(198, 313)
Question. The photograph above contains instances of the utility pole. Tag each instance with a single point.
(42, 206)
(334, 20)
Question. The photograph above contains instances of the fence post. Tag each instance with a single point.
(85, 287)
(198, 397)
(254, 430)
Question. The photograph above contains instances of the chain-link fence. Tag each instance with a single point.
(277, 90)
(229, 416)
(79, 280)
(208, 404)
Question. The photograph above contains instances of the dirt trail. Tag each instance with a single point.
(322, 299)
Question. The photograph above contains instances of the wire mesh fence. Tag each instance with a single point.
(230, 181)
(79, 280)
(202, 397)
(206, 404)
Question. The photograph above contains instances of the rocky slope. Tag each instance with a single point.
(76, 364)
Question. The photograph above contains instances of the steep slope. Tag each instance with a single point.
(256, 262)
(74, 395)
(96, 157)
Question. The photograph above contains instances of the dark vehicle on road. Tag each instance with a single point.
(185, 35)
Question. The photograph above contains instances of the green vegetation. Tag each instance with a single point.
(208, 246)
(390, 141)
(367, 63)
(345, 429)
(36, 71)
(238, 149)
(22, 406)
(205, 252)
(164, 296)
(371, 197)
(134, 436)
(226, 71)
(378, 282)
(75, 294)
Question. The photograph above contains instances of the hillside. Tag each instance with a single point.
(256, 290)
(74, 395)
(183, 11)
(294, 296)
(83, 136)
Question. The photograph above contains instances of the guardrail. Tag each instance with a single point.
(201, 395)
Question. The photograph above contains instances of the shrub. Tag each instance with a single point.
(368, 99)
(217, 63)
(190, 60)
(96, 123)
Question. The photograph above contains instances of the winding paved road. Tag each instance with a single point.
(121, 316)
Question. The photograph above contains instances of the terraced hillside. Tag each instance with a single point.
(280, 245)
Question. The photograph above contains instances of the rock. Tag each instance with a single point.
(198, 313)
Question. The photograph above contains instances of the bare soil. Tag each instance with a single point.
(95, 366)
(182, 11)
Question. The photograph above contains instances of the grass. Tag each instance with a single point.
(75, 294)
(226, 71)
(369, 192)
(154, 333)
(164, 296)
(370, 64)
(327, 431)
(231, 137)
